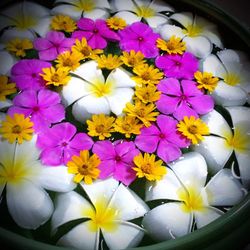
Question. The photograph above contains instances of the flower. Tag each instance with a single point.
(191, 200)
(147, 93)
(139, 37)
(163, 139)
(6, 88)
(107, 214)
(108, 62)
(132, 58)
(16, 128)
(84, 166)
(146, 166)
(52, 45)
(116, 160)
(70, 60)
(8, 59)
(206, 80)
(179, 66)
(42, 106)
(18, 46)
(63, 23)
(60, 142)
(96, 32)
(173, 46)
(26, 74)
(116, 23)
(183, 99)
(26, 179)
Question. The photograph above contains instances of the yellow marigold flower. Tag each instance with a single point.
(18, 46)
(16, 128)
(193, 129)
(116, 23)
(85, 167)
(132, 58)
(69, 60)
(101, 126)
(108, 62)
(145, 113)
(147, 74)
(148, 167)
(63, 23)
(147, 93)
(206, 81)
(6, 88)
(56, 77)
(127, 125)
(173, 46)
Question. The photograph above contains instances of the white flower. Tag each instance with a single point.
(93, 9)
(223, 141)
(92, 94)
(184, 185)
(110, 208)
(233, 69)
(133, 11)
(8, 59)
(198, 34)
(25, 180)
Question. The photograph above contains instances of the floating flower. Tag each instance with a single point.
(116, 23)
(173, 46)
(8, 59)
(63, 23)
(6, 88)
(116, 160)
(108, 62)
(70, 60)
(147, 93)
(60, 142)
(107, 214)
(184, 184)
(139, 37)
(163, 139)
(206, 81)
(19, 46)
(132, 58)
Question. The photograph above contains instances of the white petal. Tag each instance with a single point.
(213, 65)
(185, 18)
(7, 152)
(102, 4)
(168, 30)
(240, 115)
(159, 5)
(123, 5)
(129, 17)
(43, 26)
(214, 37)
(80, 113)
(156, 20)
(29, 205)
(5, 104)
(5, 22)
(8, 60)
(243, 161)
(96, 14)
(167, 221)
(13, 33)
(228, 55)
(2, 116)
(68, 10)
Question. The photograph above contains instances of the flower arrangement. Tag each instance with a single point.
(120, 121)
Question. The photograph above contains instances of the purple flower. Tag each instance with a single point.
(183, 99)
(179, 66)
(42, 106)
(116, 160)
(60, 143)
(96, 32)
(26, 74)
(51, 46)
(163, 138)
(139, 37)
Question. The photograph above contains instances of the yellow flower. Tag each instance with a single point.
(147, 74)
(6, 88)
(101, 126)
(56, 77)
(147, 93)
(108, 62)
(18, 46)
(63, 23)
(132, 58)
(127, 125)
(85, 167)
(116, 23)
(148, 167)
(206, 80)
(173, 46)
(145, 113)
(69, 60)
(17, 128)
(193, 129)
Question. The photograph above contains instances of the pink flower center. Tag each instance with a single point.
(33, 75)
(95, 31)
(162, 136)
(35, 109)
(118, 158)
(177, 63)
(140, 39)
(183, 98)
(64, 144)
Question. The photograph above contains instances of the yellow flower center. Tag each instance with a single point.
(193, 129)
(100, 89)
(193, 30)
(145, 11)
(232, 79)
(85, 5)
(100, 128)
(16, 129)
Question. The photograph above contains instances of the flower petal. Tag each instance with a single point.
(8, 60)
(96, 14)
(67, 9)
(168, 30)
(168, 151)
(157, 20)
(243, 161)
(240, 115)
(213, 65)
(184, 18)
(129, 17)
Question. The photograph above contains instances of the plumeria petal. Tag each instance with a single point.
(213, 65)
(8, 60)
(243, 161)
(156, 21)
(97, 14)
(68, 10)
(184, 18)
(168, 31)
(129, 17)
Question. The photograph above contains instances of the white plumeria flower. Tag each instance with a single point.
(26, 179)
(184, 185)
(223, 141)
(92, 94)
(8, 59)
(198, 34)
(108, 214)
(94, 9)
(133, 11)
(233, 69)
(24, 20)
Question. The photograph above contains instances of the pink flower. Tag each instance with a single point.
(116, 160)
(179, 66)
(42, 106)
(52, 45)
(96, 32)
(26, 74)
(60, 143)
(139, 37)
(183, 99)
(163, 138)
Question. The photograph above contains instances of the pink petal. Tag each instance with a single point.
(46, 98)
(40, 123)
(107, 168)
(168, 152)
(184, 110)
(52, 156)
(177, 139)
(27, 98)
(68, 153)
(150, 131)
(17, 110)
(202, 104)
(86, 24)
(97, 42)
(53, 114)
(81, 141)
(166, 104)
(55, 37)
(166, 124)
(147, 143)
(67, 43)
(64, 131)
(79, 34)
(49, 54)
(104, 149)
(127, 151)
(190, 88)
(42, 44)
(47, 139)
(170, 86)
(124, 173)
